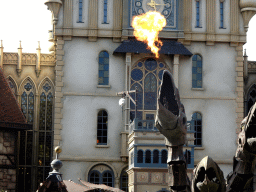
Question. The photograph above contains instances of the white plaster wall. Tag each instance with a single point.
(101, 23)
(219, 73)
(226, 29)
(79, 134)
(81, 66)
(60, 18)
(202, 17)
(84, 14)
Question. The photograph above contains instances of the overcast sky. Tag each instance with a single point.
(29, 21)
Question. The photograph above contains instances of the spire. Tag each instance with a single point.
(245, 55)
(38, 48)
(1, 43)
(20, 46)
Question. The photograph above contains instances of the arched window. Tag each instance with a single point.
(27, 138)
(198, 13)
(148, 156)
(45, 140)
(103, 68)
(94, 177)
(80, 19)
(101, 174)
(197, 71)
(124, 181)
(27, 102)
(107, 178)
(146, 75)
(164, 157)
(251, 98)
(12, 85)
(196, 124)
(155, 156)
(102, 128)
(140, 156)
(105, 19)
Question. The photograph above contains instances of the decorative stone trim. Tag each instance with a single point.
(234, 21)
(240, 87)
(58, 92)
(187, 21)
(93, 20)
(117, 29)
(210, 20)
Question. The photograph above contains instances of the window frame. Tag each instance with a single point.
(102, 69)
(195, 129)
(105, 12)
(198, 14)
(80, 11)
(195, 71)
(102, 128)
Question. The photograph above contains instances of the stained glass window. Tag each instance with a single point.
(105, 11)
(103, 68)
(221, 15)
(146, 75)
(197, 71)
(197, 13)
(80, 11)
(12, 86)
(102, 128)
(196, 124)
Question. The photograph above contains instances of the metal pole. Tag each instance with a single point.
(135, 102)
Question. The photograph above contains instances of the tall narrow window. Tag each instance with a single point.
(26, 144)
(155, 156)
(105, 11)
(164, 157)
(221, 15)
(80, 11)
(196, 123)
(103, 68)
(140, 156)
(148, 157)
(197, 13)
(124, 181)
(197, 71)
(45, 132)
(102, 128)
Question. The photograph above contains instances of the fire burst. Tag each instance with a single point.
(147, 27)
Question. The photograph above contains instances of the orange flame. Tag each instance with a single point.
(147, 27)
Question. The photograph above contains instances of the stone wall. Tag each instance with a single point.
(7, 175)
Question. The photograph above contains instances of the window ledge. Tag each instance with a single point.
(102, 146)
(222, 28)
(103, 86)
(197, 89)
(199, 148)
(198, 27)
(80, 22)
(105, 23)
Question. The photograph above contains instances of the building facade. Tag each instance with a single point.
(90, 65)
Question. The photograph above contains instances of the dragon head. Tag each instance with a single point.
(208, 177)
(171, 119)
